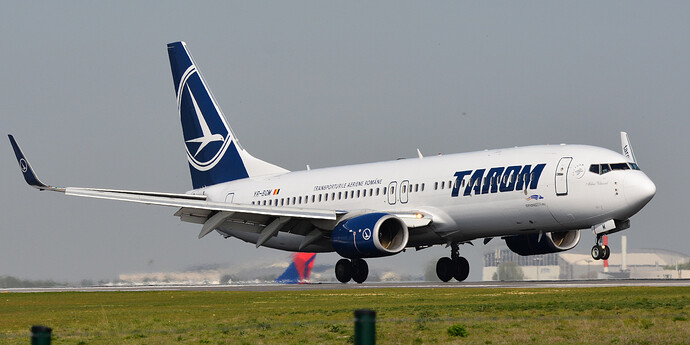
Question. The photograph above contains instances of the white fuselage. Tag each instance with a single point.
(576, 198)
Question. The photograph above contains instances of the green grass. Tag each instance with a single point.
(626, 315)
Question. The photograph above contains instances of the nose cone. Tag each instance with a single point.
(639, 190)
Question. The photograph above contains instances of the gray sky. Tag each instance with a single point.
(86, 89)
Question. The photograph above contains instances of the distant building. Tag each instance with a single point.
(537, 267)
(643, 264)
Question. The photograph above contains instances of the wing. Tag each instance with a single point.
(189, 204)
(267, 221)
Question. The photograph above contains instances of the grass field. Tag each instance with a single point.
(626, 315)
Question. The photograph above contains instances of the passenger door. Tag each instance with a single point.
(562, 176)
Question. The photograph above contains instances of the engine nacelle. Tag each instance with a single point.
(550, 242)
(369, 236)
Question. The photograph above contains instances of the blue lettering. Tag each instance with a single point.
(508, 183)
(458, 178)
(530, 177)
(475, 183)
(492, 180)
(502, 179)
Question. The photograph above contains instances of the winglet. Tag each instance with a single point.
(627, 148)
(27, 171)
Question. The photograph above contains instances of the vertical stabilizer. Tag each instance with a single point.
(214, 154)
(299, 270)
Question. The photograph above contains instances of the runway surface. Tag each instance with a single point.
(372, 285)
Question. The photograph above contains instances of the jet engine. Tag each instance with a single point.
(550, 242)
(370, 235)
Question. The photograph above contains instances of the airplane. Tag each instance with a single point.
(299, 270)
(536, 198)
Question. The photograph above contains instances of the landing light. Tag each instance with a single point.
(419, 216)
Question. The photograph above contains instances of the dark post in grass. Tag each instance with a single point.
(40, 335)
(365, 327)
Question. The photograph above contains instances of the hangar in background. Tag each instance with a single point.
(641, 264)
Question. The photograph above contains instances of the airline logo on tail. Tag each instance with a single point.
(212, 149)
(205, 144)
(299, 270)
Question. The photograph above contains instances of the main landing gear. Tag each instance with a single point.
(454, 267)
(600, 251)
(355, 269)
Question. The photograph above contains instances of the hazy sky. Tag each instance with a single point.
(87, 91)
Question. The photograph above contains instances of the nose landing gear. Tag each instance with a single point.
(454, 267)
(600, 251)
(355, 269)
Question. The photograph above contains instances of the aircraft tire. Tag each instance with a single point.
(607, 253)
(462, 269)
(360, 270)
(343, 270)
(444, 269)
(597, 253)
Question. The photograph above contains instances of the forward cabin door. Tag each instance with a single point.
(562, 175)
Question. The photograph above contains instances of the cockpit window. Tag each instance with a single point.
(594, 168)
(604, 168)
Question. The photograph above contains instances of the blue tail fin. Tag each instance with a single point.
(299, 270)
(213, 152)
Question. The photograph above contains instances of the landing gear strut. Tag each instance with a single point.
(600, 251)
(355, 269)
(454, 267)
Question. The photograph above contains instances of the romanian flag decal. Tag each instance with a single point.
(276, 191)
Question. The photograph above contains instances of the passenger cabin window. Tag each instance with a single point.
(435, 185)
(422, 187)
(443, 184)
